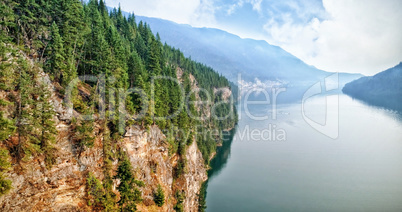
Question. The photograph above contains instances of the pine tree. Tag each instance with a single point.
(129, 193)
(178, 207)
(5, 185)
(159, 197)
(28, 143)
(27, 17)
(95, 191)
(44, 118)
(7, 18)
(73, 29)
(154, 66)
(56, 59)
(82, 133)
(7, 127)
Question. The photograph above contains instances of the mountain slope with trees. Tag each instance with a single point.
(229, 54)
(91, 58)
(383, 89)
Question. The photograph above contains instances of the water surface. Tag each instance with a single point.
(361, 170)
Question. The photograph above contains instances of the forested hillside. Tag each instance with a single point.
(131, 78)
(383, 89)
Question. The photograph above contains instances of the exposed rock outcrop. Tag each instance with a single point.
(148, 152)
(63, 187)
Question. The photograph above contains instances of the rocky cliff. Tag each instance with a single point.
(148, 153)
(63, 187)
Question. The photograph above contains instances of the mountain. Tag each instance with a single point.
(229, 54)
(383, 89)
(93, 114)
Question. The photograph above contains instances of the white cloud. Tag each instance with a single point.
(234, 7)
(256, 5)
(194, 12)
(346, 36)
(204, 15)
(358, 36)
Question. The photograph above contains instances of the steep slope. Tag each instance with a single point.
(64, 186)
(383, 89)
(92, 112)
(230, 54)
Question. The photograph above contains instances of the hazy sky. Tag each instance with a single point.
(362, 36)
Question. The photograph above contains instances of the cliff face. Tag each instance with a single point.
(196, 174)
(63, 187)
(148, 153)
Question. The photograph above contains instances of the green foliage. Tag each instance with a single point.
(7, 127)
(7, 18)
(99, 196)
(202, 204)
(95, 191)
(128, 188)
(44, 115)
(180, 196)
(5, 185)
(86, 39)
(159, 196)
(70, 38)
(28, 141)
(82, 133)
(180, 168)
(56, 59)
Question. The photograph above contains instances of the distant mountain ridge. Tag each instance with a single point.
(229, 54)
(383, 89)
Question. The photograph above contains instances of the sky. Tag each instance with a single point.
(354, 36)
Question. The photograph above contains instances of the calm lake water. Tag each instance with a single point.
(361, 170)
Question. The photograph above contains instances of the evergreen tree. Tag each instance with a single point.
(178, 207)
(73, 29)
(44, 117)
(129, 193)
(159, 197)
(27, 17)
(5, 185)
(154, 66)
(83, 133)
(7, 126)
(56, 59)
(7, 18)
(95, 191)
(28, 143)
(86, 39)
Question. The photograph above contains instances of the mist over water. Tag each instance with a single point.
(361, 170)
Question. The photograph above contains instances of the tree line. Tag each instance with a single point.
(69, 38)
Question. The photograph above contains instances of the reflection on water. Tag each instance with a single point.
(222, 155)
(359, 171)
